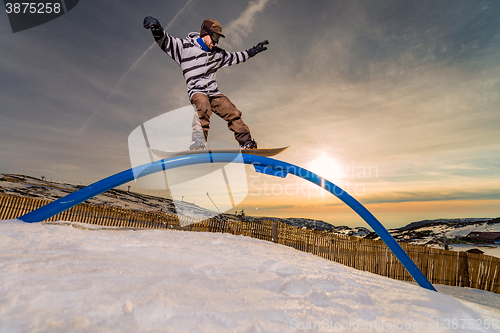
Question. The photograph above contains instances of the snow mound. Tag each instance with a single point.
(58, 278)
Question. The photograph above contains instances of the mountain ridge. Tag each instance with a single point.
(424, 232)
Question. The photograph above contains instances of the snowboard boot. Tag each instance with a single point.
(249, 144)
(197, 146)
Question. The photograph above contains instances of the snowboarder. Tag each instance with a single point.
(200, 58)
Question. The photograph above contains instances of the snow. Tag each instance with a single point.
(489, 250)
(457, 232)
(465, 230)
(59, 278)
(431, 233)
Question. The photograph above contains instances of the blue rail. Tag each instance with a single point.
(262, 164)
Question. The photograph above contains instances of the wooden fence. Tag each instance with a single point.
(440, 266)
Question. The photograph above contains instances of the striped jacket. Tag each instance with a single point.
(198, 66)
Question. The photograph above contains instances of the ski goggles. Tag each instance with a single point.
(213, 35)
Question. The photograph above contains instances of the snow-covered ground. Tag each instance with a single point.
(59, 278)
(465, 230)
(489, 250)
(431, 233)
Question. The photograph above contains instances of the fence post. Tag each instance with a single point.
(9, 207)
(274, 232)
(497, 282)
(425, 262)
(463, 269)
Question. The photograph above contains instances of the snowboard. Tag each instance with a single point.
(267, 152)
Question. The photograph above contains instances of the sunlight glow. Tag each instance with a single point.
(326, 167)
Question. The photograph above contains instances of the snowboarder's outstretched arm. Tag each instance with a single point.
(169, 44)
(233, 58)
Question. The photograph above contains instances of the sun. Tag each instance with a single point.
(327, 168)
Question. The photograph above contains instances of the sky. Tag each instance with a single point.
(397, 102)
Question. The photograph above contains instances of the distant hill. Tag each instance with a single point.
(447, 233)
(32, 187)
(426, 232)
(463, 221)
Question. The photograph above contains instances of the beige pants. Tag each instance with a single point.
(221, 106)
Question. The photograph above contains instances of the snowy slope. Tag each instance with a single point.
(56, 278)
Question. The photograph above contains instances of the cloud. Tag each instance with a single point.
(438, 195)
(243, 24)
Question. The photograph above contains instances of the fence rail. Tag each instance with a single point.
(440, 266)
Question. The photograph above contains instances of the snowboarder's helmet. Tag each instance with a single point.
(211, 28)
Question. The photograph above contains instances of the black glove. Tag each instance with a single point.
(153, 24)
(257, 48)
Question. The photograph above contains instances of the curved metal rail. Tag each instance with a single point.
(262, 164)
